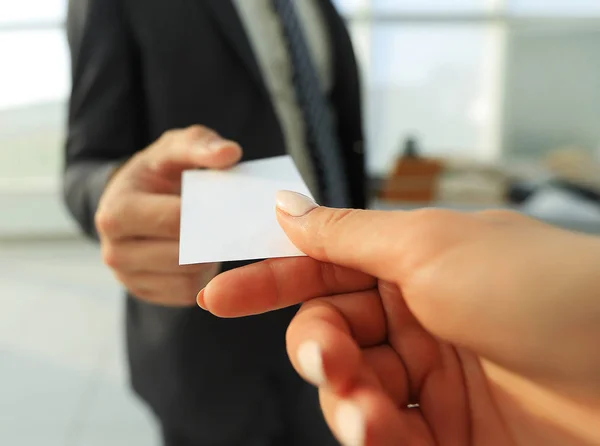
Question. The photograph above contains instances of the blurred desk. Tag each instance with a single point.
(562, 222)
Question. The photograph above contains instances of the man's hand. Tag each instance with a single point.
(138, 216)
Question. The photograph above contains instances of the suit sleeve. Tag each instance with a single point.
(104, 121)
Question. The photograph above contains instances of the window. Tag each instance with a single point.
(35, 69)
(428, 6)
(351, 6)
(426, 81)
(34, 84)
(484, 79)
(560, 8)
(29, 12)
(428, 74)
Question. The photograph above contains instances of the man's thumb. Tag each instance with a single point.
(366, 241)
(193, 147)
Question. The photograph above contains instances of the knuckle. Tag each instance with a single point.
(139, 291)
(169, 223)
(106, 222)
(195, 132)
(331, 225)
(173, 224)
(135, 160)
(333, 220)
(121, 278)
(167, 139)
(134, 286)
(328, 276)
(169, 135)
(110, 256)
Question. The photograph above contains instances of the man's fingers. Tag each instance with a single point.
(140, 215)
(144, 201)
(174, 290)
(278, 283)
(388, 245)
(194, 147)
(147, 256)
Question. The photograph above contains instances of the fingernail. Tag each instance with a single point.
(350, 424)
(294, 204)
(200, 300)
(310, 359)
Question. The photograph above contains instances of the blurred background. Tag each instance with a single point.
(495, 98)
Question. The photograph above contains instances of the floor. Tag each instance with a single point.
(62, 371)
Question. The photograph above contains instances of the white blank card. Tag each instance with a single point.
(229, 215)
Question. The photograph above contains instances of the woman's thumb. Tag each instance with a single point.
(362, 240)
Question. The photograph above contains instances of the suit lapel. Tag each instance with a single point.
(230, 25)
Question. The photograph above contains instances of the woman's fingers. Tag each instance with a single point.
(389, 370)
(434, 370)
(368, 417)
(278, 283)
(323, 344)
(379, 397)
(324, 338)
(325, 355)
(362, 312)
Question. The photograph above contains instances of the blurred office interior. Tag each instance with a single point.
(500, 95)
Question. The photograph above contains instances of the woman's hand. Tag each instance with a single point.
(489, 323)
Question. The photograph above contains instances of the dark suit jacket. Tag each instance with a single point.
(139, 68)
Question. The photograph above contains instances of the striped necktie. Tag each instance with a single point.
(322, 140)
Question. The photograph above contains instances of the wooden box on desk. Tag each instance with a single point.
(412, 180)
